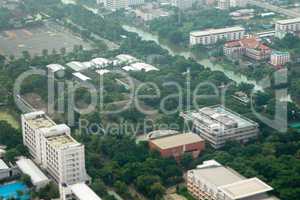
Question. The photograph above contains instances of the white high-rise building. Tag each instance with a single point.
(115, 4)
(53, 147)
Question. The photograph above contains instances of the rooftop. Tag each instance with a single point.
(55, 67)
(220, 117)
(3, 165)
(81, 76)
(83, 192)
(39, 120)
(216, 174)
(62, 141)
(177, 140)
(29, 168)
(230, 183)
(245, 188)
(77, 66)
(216, 31)
(289, 21)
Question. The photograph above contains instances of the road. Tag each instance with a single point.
(274, 8)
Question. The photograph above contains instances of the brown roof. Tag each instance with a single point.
(177, 140)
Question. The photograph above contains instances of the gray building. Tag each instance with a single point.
(217, 125)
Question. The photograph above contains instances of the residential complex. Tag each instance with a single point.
(175, 145)
(213, 181)
(53, 148)
(279, 58)
(212, 36)
(282, 27)
(249, 47)
(217, 125)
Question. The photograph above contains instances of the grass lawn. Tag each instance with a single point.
(6, 116)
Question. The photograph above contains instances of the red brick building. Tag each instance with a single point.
(177, 145)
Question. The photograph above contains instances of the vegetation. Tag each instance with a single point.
(176, 28)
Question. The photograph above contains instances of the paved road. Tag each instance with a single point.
(277, 9)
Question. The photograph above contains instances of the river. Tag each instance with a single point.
(238, 78)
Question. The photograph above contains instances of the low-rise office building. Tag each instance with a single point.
(217, 125)
(249, 47)
(38, 178)
(212, 36)
(5, 171)
(213, 181)
(279, 58)
(282, 27)
(175, 145)
(78, 191)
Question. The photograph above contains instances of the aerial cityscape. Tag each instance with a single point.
(150, 99)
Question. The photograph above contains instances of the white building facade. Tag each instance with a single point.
(282, 27)
(212, 181)
(279, 58)
(53, 148)
(212, 36)
(115, 4)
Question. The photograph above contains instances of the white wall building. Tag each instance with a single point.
(53, 148)
(279, 58)
(135, 2)
(213, 181)
(115, 4)
(78, 191)
(217, 125)
(182, 4)
(211, 36)
(4, 170)
(38, 178)
(282, 27)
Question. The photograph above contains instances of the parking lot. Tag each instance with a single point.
(48, 36)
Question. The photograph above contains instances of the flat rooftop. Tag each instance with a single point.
(81, 76)
(245, 188)
(61, 141)
(39, 120)
(177, 140)
(289, 21)
(217, 175)
(216, 31)
(29, 168)
(219, 116)
(83, 192)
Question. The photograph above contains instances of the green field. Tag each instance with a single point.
(4, 115)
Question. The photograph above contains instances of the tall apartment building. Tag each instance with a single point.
(53, 147)
(115, 4)
(279, 58)
(282, 27)
(212, 181)
(211, 36)
(217, 125)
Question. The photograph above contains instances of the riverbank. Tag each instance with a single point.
(238, 78)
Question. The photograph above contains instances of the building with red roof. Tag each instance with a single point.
(250, 47)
